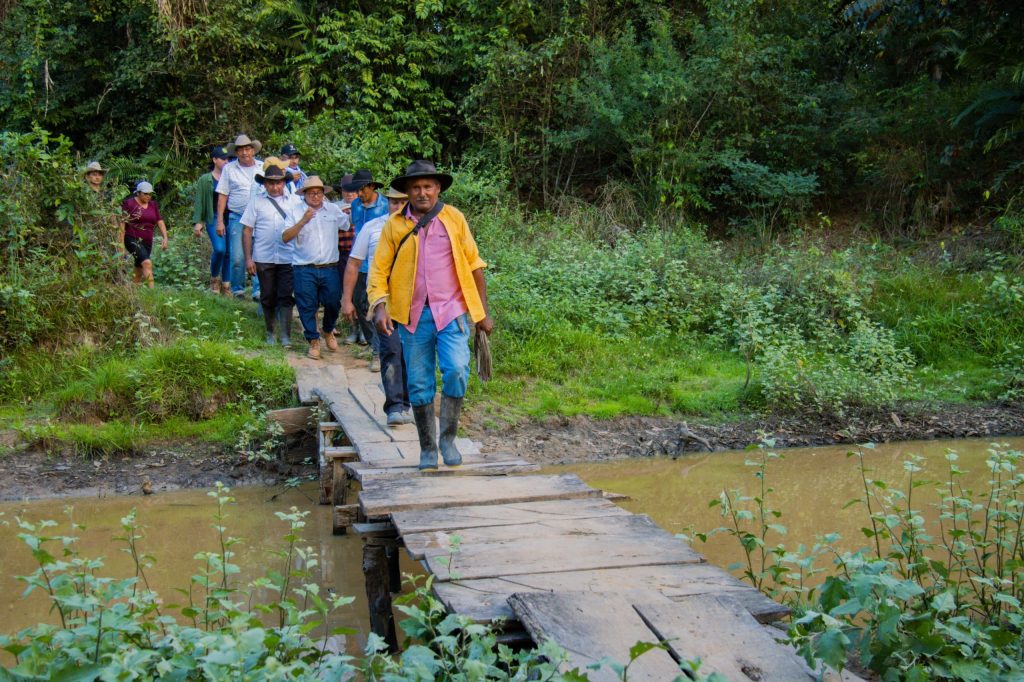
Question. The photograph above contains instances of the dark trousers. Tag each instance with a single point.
(315, 287)
(392, 372)
(276, 287)
(362, 305)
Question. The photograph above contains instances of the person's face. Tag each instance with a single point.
(395, 205)
(245, 155)
(367, 194)
(275, 188)
(94, 178)
(350, 196)
(423, 193)
(219, 163)
(143, 197)
(314, 198)
(293, 160)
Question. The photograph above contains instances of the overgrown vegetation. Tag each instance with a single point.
(279, 626)
(921, 601)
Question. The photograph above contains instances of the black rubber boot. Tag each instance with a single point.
(268, 322)
(451, 408)
(426, 427)
(284, 325)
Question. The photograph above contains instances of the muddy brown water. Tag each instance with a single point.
(811, 486)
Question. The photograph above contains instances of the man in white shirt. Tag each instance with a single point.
(314, 226)
(267, 255)
(234, 190)
(387, 349)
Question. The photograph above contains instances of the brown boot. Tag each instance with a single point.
(314, 350)
(225, 289)
(215, 285)
(328, 337)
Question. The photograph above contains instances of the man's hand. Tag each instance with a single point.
(486, 325)
(198, 229)
(163, 244)
(308, 215)
(221, 230)
(348, 310)
(250, 266)
(382, 320)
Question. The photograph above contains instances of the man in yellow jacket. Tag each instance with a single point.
(426, 284)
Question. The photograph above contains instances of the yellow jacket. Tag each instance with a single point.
(398, 293)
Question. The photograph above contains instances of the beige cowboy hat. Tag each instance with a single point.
(395, 194)
(274, 161)
(314, 182)
(94, 167)
(243, 141)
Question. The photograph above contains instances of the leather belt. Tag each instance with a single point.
(319, 265)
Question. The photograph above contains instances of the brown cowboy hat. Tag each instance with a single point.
(243, 141)
(314, 182)
(273, 173)
(421, 169)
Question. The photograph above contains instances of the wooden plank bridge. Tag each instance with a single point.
(546, 556)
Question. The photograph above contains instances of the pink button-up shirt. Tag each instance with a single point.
(436, 279)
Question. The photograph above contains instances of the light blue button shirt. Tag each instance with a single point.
(317, 242)
(267, 225)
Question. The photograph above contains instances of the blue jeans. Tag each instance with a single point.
(450, 347)
(220, 259)
(237, 256)
(315, 287)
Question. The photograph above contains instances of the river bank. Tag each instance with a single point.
(30, 474)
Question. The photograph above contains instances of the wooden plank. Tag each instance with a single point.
(344, 453)
(486, 600)
(387, 497)
(362, 471)
(371, 399)
(723, 636)
(292, 419)
(312, 374)
(343, 518)
(430, 520)
(411, 449)
(591, 627)
(549, 547)
(382, 454)
(358, 426)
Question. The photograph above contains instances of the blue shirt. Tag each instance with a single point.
(364, 214)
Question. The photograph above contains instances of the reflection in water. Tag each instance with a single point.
(811, 486)
(177, 525)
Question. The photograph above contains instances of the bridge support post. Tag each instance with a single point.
(378, 593)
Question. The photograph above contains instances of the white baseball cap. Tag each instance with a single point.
(143, 188)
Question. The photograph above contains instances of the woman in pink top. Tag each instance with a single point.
(141, 217)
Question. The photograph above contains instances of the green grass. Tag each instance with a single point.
(576, 372)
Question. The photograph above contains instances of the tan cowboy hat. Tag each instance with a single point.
(94, 167)
(395, 194)
(314, 182)
(274, 161)
(243, 141)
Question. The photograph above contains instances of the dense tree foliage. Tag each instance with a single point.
(741, 111)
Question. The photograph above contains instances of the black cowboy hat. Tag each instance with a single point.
(421, 169)
(273, 173)
(362, 178)
(339, 186)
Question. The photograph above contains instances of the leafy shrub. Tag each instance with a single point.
(864, 367)
(62, 267)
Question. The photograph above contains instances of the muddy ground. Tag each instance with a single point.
(32, 475)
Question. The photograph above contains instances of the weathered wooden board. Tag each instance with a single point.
(723, 636)
(357, 424)
(485, 600)
(430, 520)
(591, 627)
(549, 547)
(363, 472)
(371, 398)
(411, 449)
(292, 419)
(309, 375)
(387, 497)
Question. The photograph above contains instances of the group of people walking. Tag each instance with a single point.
(399, 263)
